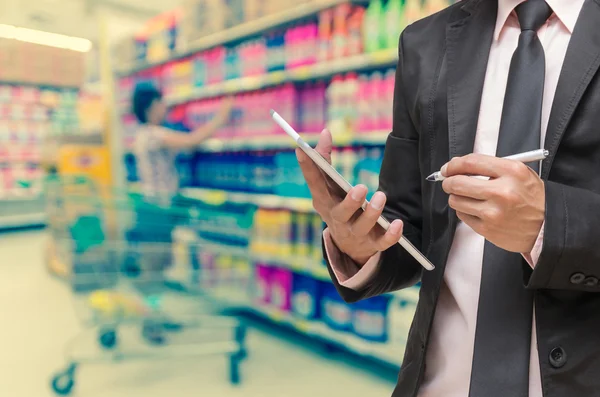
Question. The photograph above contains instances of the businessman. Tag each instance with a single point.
(513, 306)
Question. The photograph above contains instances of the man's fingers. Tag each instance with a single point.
(391, 237)
(346, 209)
(472, 221)
(467, 205)
(367, 220)
(312, 173)
(325, 145)
(481, 164)
(462, 185)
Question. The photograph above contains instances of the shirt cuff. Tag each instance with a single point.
(346, 271)
(533, 257)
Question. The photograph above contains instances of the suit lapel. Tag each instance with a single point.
(468, 40)
(579, 67)
(469, 37)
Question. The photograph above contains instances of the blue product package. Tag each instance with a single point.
(130, 167)
(369, 319)
(336, 313)
(184, 166)
(289, 181)
(306, 295)
(199, 72)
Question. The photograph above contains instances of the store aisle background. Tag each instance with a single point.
(38, 319)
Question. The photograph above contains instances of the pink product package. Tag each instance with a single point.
(311, 101)
(312, 43)
(215, 61)
(263, 284)
(281, 289)
(290, 38)
(389, 83)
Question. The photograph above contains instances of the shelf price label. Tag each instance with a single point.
(303, 326)
(277, 316)
(383, 56)
(302, 73)
(277, 77)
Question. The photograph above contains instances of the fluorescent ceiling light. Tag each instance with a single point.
(45, 38)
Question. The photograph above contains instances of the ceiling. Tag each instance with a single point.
(80, 17)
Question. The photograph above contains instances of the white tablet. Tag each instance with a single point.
(345, 185)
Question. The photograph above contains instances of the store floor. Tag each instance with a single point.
(37, 320)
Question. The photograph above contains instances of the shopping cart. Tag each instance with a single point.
(124, 276)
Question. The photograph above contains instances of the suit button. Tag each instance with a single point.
(577, 278)
(590, 281)
(558, 357)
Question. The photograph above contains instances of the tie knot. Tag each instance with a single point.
(533, 14)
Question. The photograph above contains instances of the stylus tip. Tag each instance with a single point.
(431, 178)
(272, 112)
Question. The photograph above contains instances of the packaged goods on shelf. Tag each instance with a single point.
(281, 233)
(268, 171)
(202, 18)
(369, 320)
(281, 289)
(158, 39)
(288, 290)
(306, 295)
(336, 313)
(28, 117)
(28, 63)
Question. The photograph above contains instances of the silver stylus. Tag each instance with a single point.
(526, 157)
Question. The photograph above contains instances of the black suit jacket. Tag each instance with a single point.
(439, 83)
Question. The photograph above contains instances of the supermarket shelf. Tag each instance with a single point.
(80, 139)
(312, 267)
(25, 220)
(324, 69)
(216, 196)
(377, 351)
(271, 142)
(244, 30)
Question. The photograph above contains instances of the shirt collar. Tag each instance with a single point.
(566, 10)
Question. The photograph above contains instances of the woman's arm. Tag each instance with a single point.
(176, 140)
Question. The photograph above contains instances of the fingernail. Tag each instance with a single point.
(298, 155)
(395, 227)
(444, 168)
(378, 201)
(356, 193)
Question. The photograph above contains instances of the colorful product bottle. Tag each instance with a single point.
(355, 31)
(395, 22)
(371, 26)
(340, 30)
(325, 35)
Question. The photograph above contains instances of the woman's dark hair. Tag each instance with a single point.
(143, 96)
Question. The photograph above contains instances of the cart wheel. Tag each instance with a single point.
(63, 382)
(108, 339)
(234, 369)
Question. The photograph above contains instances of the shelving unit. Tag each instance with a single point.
(375, 65)
(217, 196)
(349, 342)
(384, 58)
(244, 30)
(25, 220)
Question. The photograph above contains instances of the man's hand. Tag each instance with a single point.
(354, 231)
(508, 209)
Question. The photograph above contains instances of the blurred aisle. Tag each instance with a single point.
(37, 319)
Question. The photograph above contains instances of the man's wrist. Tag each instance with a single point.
(359, 260)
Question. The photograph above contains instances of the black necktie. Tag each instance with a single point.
(503, 334)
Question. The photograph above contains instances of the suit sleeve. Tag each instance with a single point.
(570, 256)
(400, 180)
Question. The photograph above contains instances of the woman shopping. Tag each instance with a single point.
(155, 150)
